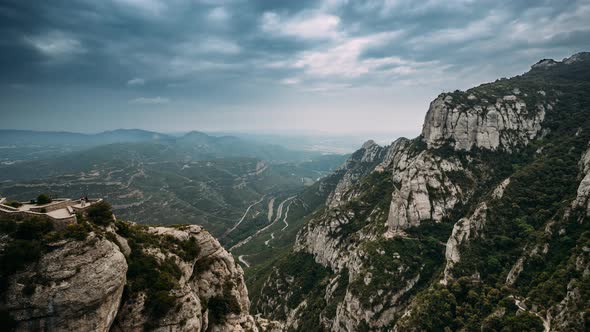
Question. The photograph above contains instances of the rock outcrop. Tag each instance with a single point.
(583, 195)
(359, 164)
(437, 232)
(211, 274)
(424, 189)
(77, 286)
(504, 123)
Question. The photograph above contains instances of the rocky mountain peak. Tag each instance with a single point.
(545, 63)
(368, 144)
(498, 120)
(582, 56)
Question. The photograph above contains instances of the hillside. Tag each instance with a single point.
(480, 223)
(169, 183)
(100, 274)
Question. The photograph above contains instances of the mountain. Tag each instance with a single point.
(105, 275)
(24, 145)
(201, 145)
(480, 223)
(43, 138)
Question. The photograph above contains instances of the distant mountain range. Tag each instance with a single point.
(23, 145)
(43, 138)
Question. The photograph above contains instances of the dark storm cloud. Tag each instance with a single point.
(193, 54)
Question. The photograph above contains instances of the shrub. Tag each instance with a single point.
(221, 305)
(157, 279)
(15, 256)
(43, 199)
(100, 213)
(14, 204)
(77, 231)
(33, 229)
(523, 322)
(160, 302)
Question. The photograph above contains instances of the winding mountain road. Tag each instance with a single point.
(243, 261)
(244, 216)
(272, 237)
(277, 218)
(286, 215)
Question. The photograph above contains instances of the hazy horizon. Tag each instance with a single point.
(339, 143)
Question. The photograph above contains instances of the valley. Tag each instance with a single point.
(195, 180)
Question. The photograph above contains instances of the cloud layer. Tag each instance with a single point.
(333, 65)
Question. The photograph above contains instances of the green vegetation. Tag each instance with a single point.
(529, 221)
(14, 204)
(43, 199)
(100, 213)
(27, 239)
(301, 278)
(157, 278)
(392, 264)
(469, 305)
(27, 244)
(220, 306)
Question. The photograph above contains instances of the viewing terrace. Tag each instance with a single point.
(61, 210)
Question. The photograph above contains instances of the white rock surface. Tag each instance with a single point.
(583, 195)
(82, 283)
(507, 123)
(78, 286)
(423, 190)
(195, 289)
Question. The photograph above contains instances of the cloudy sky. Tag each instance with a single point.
(334, 66)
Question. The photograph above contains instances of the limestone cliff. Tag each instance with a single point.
(122, 277)
(480, 223)
(77, 286)
(359, 164)
(475, 121)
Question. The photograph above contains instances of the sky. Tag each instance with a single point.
(325, 66)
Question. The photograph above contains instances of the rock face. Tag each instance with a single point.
(503, 124)
(79, 289)
(437, 232)
(78, 284)
(583, 196)
(425, 190)
(358, 165)
(467, 229)
(217, 276)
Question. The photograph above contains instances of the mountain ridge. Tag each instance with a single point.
(449, 230)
